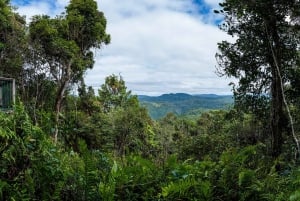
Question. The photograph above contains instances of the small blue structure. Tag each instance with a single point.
(7, 93)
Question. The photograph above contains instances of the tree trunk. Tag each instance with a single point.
(58, 103)
(60, 97)
(277, 116)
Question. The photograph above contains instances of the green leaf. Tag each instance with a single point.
(295, 196)
(246, 178)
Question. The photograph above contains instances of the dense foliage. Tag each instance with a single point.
(217, 157)
(263, 57)
(108, 147)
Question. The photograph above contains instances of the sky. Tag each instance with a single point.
(157, 46)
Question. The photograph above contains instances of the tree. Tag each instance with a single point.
(263, 54)
(113, 93)
(12, 41)
(66, 44)
(88, 101)
(129, 121)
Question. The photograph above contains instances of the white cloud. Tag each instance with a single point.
(158, 46)
(163, 49)
(213, 3)
(62, 3)
(40, 7)
(34, 8)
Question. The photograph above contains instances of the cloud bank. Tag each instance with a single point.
(157, 46)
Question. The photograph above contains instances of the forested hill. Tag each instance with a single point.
(184, 104)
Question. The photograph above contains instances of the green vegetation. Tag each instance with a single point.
(104, 146)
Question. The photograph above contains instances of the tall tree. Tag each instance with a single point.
(66, 44)
(12, 41)
(263, 54)
(129, 121)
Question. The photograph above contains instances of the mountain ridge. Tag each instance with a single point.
(183, 103)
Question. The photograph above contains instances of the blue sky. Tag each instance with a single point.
(158, 46)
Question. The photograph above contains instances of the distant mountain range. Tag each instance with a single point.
(184, 104)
